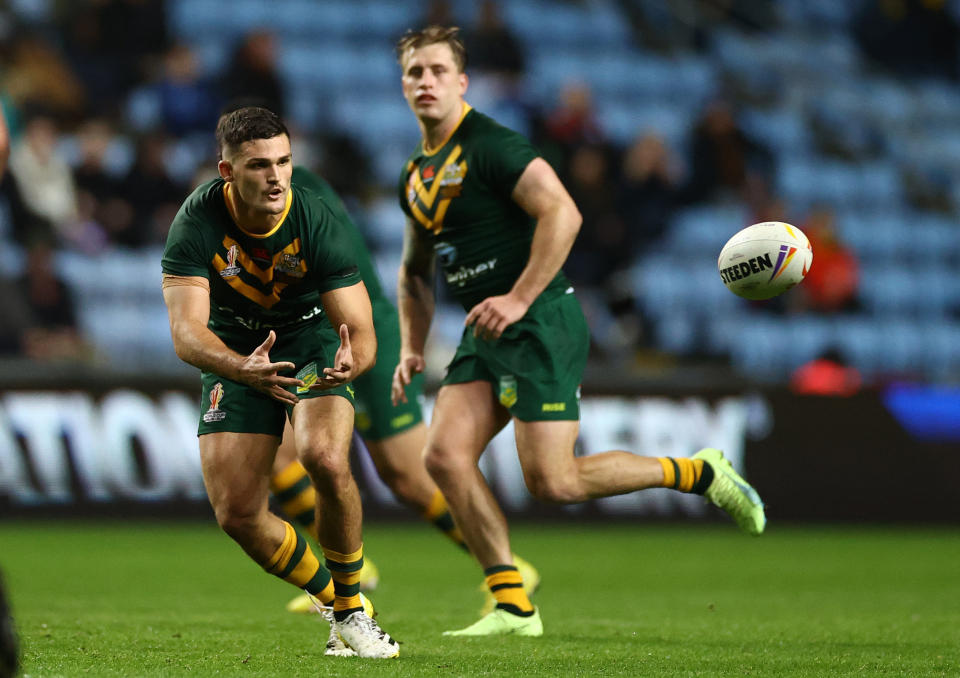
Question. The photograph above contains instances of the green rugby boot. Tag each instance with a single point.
(502, 623)
(732, 493)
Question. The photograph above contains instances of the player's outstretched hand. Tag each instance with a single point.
(257, 371)
(342, 371)
(403, 374)
(495, 314)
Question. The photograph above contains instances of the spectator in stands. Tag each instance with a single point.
(826, 375)
(39, 316)
(603, 244)
(36, 76)
(252, 74)
(44, 178)
(574, 122)
(833, 281)
(603, 250)
(723, 157)
(188, 101)
(4, 143)
(649, 190)
(152, 193)
(439, 12)
(493, 48)
(913, 38)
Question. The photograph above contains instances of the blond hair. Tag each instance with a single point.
(432, 35)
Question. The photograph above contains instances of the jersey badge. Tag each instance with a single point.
(232, 270)
(214, 413)
(451, 183)
(508, 390)
(308, 375)
(289, 265)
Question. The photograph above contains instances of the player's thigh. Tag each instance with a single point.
(323, 427)
(236, 469)
(466, 416)
(399, 453)
(287, 452)
(546, 452)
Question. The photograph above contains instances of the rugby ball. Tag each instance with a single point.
(765, 260)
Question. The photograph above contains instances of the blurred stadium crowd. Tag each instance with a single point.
(673, 124)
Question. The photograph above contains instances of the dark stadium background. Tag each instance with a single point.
(673, 124)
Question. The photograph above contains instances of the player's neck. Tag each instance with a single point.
(437, 133)
(247, 218)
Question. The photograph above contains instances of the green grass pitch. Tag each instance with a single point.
(161, 599)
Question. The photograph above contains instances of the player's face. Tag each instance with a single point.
(260, 171)
(432, 83)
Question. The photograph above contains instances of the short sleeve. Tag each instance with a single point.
(503, 158)
(183, 253)
(332, 258)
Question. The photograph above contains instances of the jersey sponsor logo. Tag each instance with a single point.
(429, 206)
(401, 421)
(508, 390)
(465, 274)
(214, 413)
(231, 270)
(446, 253)
(288, 267)
(261, 256)
(553, 407)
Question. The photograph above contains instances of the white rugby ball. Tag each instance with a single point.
(765, 260)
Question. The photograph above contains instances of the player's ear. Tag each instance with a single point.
(464, 81)
(226, 170)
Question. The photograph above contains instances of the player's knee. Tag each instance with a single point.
(325, 461)
(553, 488)
(442, 463)
(240, 522)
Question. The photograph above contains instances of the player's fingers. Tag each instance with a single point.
(499, 328)
(397, 393)
(286, 382)
(280, 367)
(344, 335)
(283, 395)
(267, 343)
(472, 314)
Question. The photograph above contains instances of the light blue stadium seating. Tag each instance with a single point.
(336, 59)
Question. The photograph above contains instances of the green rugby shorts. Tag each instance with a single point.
(536, 366)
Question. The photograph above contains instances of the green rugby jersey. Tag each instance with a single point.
(259, 282)
(461, 193)
(307, 179)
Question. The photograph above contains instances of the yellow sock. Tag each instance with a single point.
(438, 513)
(683, 474)
(296, 496)
(345, 570)
(506, 585)
(294, 562)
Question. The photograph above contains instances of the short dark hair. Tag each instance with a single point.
(432, 35)
(247, 123)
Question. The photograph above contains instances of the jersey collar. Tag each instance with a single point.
(428, 152)
(228, 198)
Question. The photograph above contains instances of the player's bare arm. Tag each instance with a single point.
(349, 311)
(188, 305)
(540, 194)
(416, 304)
